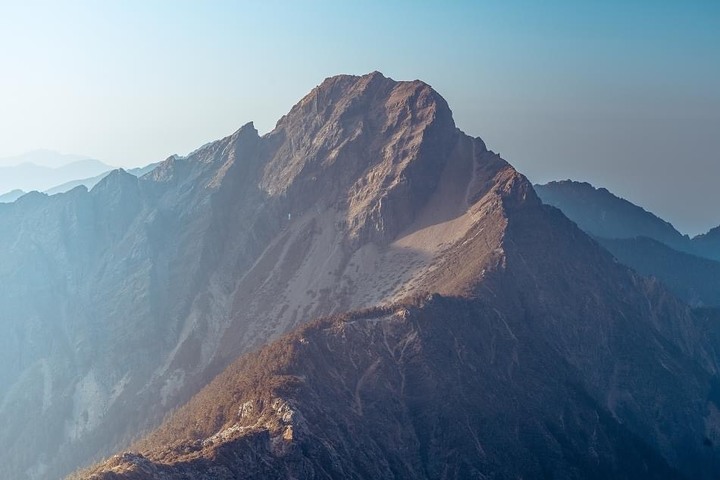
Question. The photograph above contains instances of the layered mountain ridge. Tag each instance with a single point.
(29, 176)
(604, 215)
(493, 335)
(641, 240)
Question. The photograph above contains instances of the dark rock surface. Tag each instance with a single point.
(440, 388)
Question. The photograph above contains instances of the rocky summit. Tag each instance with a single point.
(376, 295)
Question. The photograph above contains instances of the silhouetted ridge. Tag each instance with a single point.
(641, 240)
(708, 244)
(602, 214)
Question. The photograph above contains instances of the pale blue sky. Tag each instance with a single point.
(624, 94)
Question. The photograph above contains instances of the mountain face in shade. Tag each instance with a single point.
(438, 388)
(507, 343)
(604, 215)
(642, 241)
(693, 278)
(708, 244)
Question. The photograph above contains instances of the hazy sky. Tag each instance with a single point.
(624, 94)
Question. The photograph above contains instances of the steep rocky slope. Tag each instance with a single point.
(545, 359)
(435, 389)
(123, 301)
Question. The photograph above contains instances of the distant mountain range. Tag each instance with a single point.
(11, 196)
(72, 175)
(91, 182)
(42, 158)
(641, 240)
(363, 292)
(35, 177)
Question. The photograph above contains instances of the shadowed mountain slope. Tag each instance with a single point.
(640, 240)
(604, 215)
(694, 279)
(438, 388)
(708, 244)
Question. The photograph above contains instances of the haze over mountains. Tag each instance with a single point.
(28, 177)
(469, 330)
(92, 181)
(43, 169)
(641, 240)
(51, 172)
(42, 158)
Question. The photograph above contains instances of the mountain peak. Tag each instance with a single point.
(348, 94)
(248, 128)
(370, 141)
(115, 182)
